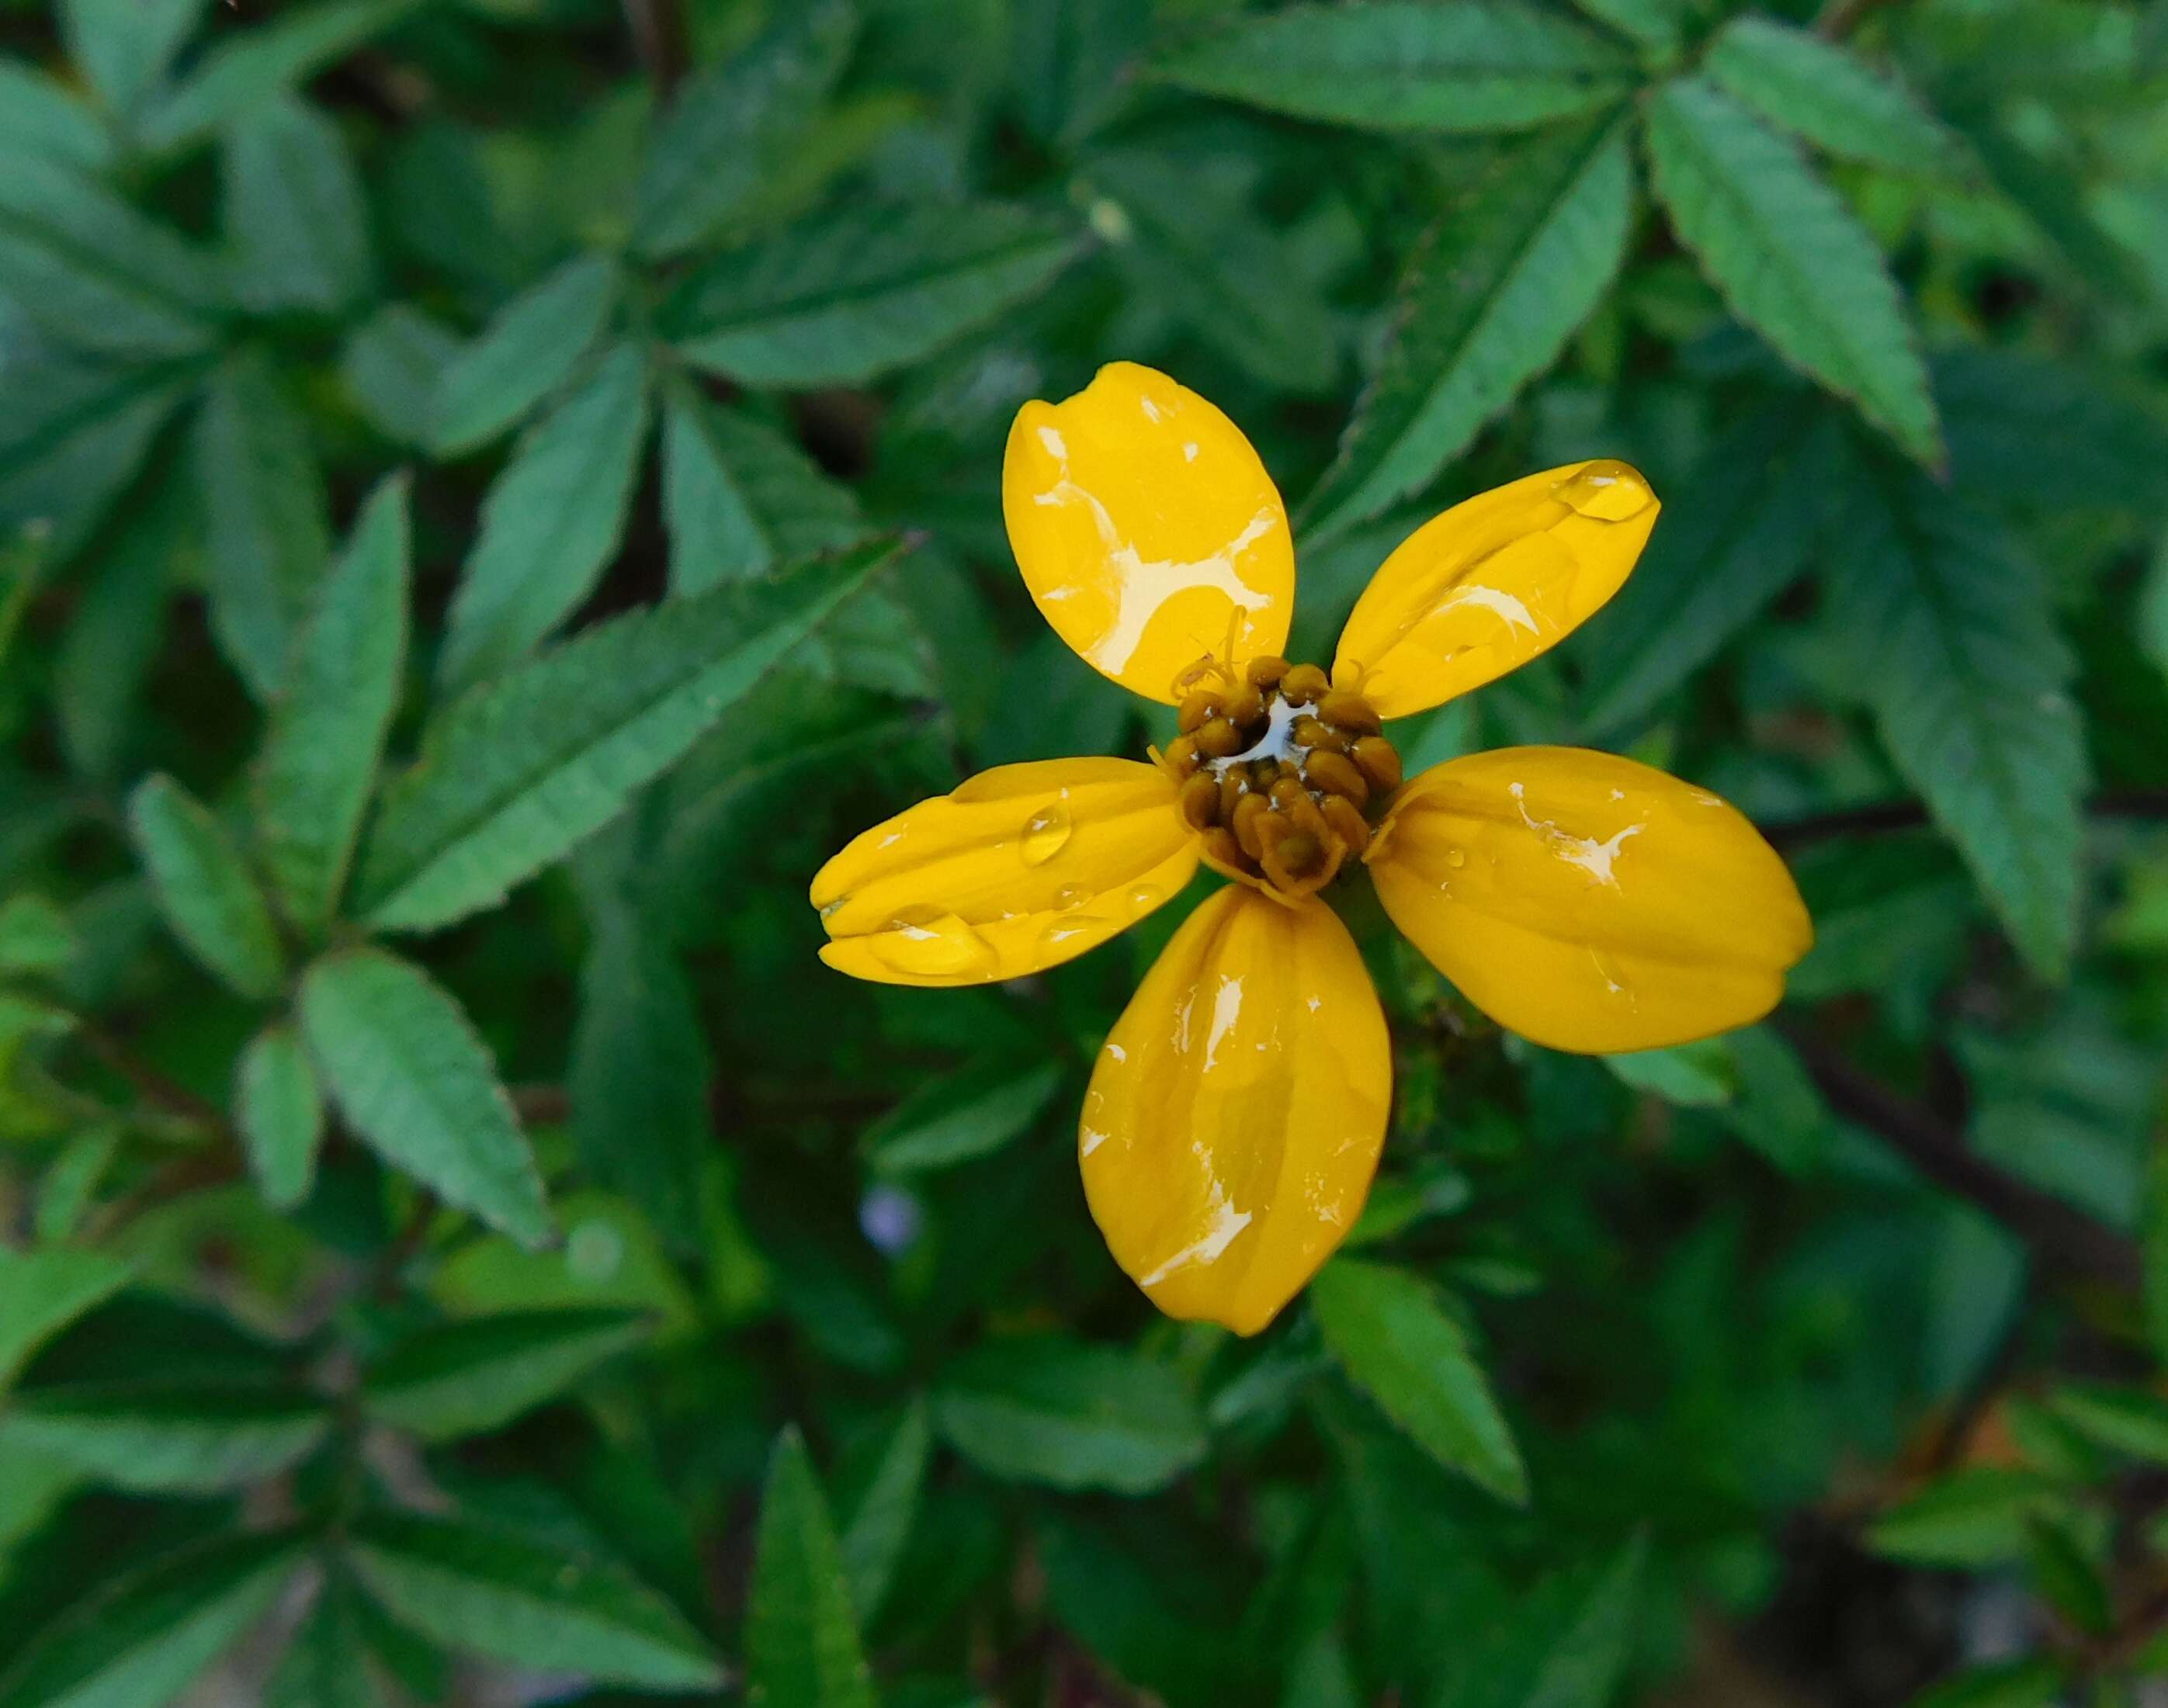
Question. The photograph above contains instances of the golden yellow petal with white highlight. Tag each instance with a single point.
(1019, 869)
(1485, 587)
(1149, 532)
(1588, 902)
(1236, 1112)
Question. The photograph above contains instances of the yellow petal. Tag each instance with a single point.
(1143, 523)
(1023, 868)
(1483, 588)
(1587, 902)
(1234, 1114)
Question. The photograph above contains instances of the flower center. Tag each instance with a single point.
(1280, 772)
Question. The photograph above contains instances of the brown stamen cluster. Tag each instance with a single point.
(1281, 773)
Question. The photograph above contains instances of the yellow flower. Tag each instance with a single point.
(1234, 1116)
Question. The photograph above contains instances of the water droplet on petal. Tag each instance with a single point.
(1063, 933)
(1144, 897)
(933, 942)
(1607, 970)
(1045, 833)
(1607, 491)
(1456, 857)
(1071, 895)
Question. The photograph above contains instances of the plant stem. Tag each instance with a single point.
(2062, 1236)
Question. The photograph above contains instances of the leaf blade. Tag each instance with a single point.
(498, 795)
(550, 524)
(405, 1069)
(844, 297)
(1790, 258)
(328, 724)
(801, 1639)
(1535, 248)
(204, 888)
(1390, 1334)
(1391, 66)
(1967, 678)
(502, 1595)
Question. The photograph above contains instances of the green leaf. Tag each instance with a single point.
(1396, 64)
(2129, 1419)
(641, 1073)
(1565, 1646)
(205, 889)
(1817, 88)
(106, 655)
(41, 1292)
(1396, 1343)
(2065, 1579)
(881, 1519)
(801, 1643)
(294, 215)
(71, 1181)
(1957, 653)
(1789, 257)
(93, 273)
(1197, 255)
(167, 1439)
(970, 1113)
(739, 498)
(1653, 25)
(253, 68)
(505, 1596)
(270, 539)
(469, 1378)
(1699, 1075)
(74, 434)
(530, 347)
(733, 128)
(2030, 1684)
(1966, 1521)
(41, 118)
(845, 296)
(1069, 1414)
(142, 1641)
(1489, 299)
(327, 1663)
(2052, 186)
(392, 365)
(328, 723)
(404, 1066)
(34, 936)
(1073, 62)
(515, 775)
(126, 47)
(1738, 534)
(550, 524)
(278, 1108)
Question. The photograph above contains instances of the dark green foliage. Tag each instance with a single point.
(494, 493)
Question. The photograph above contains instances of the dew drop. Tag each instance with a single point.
(931, 942)
(1071, 895)
(1144, 897)
(1456, 857)
(1063, 932)
(1045, 833)
(1607, 970)
(1607, 491)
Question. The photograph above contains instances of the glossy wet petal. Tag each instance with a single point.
(1236, 1112)
(1588, 902)
(1021, 868)
(1485, 587)
(1144, 522)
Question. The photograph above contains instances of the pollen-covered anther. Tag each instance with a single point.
(1281, 774)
